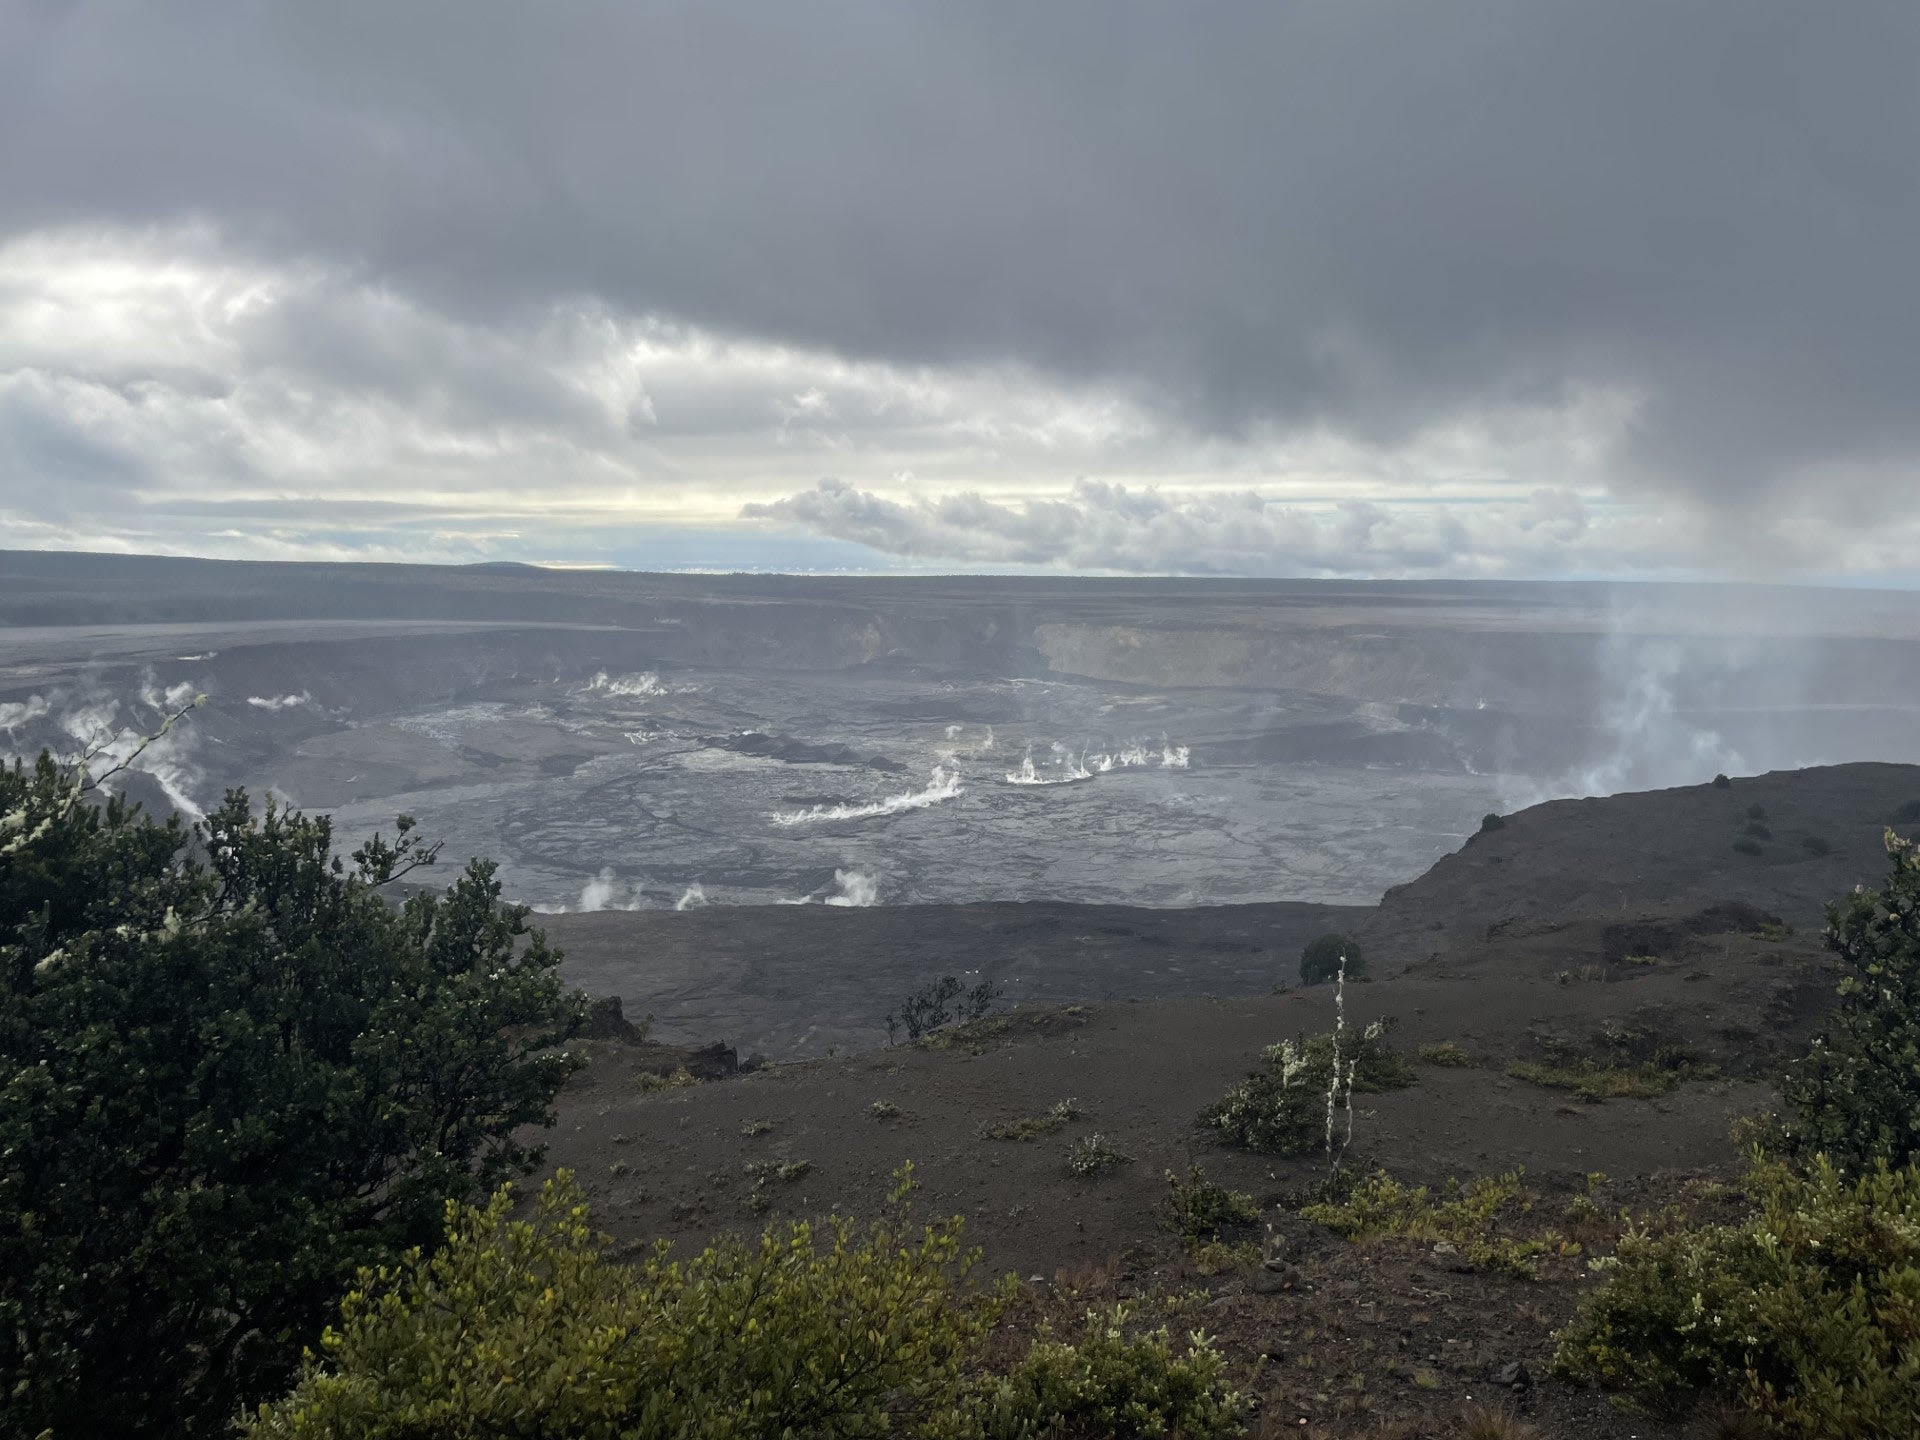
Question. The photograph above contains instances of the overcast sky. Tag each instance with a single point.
(1377, 287)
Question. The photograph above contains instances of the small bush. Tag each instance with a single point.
(1490, 823)
(1465, 1217)
(1756, 812)
(649, 1082)
(1815, 845)
(1446, 1053)
(1092, 1156)
(1110, 1385)
(1320, 961)
(1594, 1082)
(1805, 1312)
(1721, 782)
(884, 1110)
(1032, 1127)
(1197, 1209)
(1282, 1109)
(529, 1327)
(1747, 846)
(755, 1127)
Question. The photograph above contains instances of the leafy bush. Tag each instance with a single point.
(1446, 1052)
(1320, 961)
(1467, 1218)
(1721, 782)
(232, 1072)
(1808, 1311)
(1109, 1385)
(1491, 822)
(530, 1327)
(1858, 1090)
(1197, 1209)
(1283, 1109)
(926, 1010)
(1092, 1155)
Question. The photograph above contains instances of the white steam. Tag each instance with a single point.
(1066, 767)
(944, 785)
(16, 713)
(645, 683)
(694, 897)
(854, 889)
(279, 702)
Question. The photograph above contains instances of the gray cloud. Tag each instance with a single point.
(1243, 222)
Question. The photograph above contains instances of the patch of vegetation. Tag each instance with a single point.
(1320, 962)
(652, 1082)
(1107, 1383)
(1816, 845)
(1721, 782)
(1032, 1127)
(1092, 1156)
(884, 1110)
(1467, 1218)
(1283, 1109)
(1596, 1082)
(1491, 822)
(1757, 830)
(1447, 1053)
(755, 1127)
(942, 1003)
(1198, 1209)
(1804, 1311)
(1591, 973)
(1858, 1090)
(1747, 846)
(232, 1072)
(1756, 812)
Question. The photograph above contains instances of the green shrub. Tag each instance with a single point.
(927, 1009)
(1491, 822)
(1282, 1109)
(530, 1328)
(1107, 1384)
(1197, 1209)
(1721, 782)
(1858, 1090)
(1446, 1052)
(1808, 1311)
(232, 1071)
(1816, 845)
(1092, 1156)
(1466, 1217)
(1320, 961)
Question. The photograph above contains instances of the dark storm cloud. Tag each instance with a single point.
(1364, 216)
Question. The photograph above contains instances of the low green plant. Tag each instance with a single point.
(529, 1327)
(1284, 1108)
(1107, 1383)
(755, 1127)
(1807, 1312)
(1197, 1209)
(884, 1110)
(1466, 1217)
(1447, 1053)
(1032, 1127)
(650, 1082)
(943, 1002)
(1092, 1156)
(1491, 822)
(1595, 1082)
